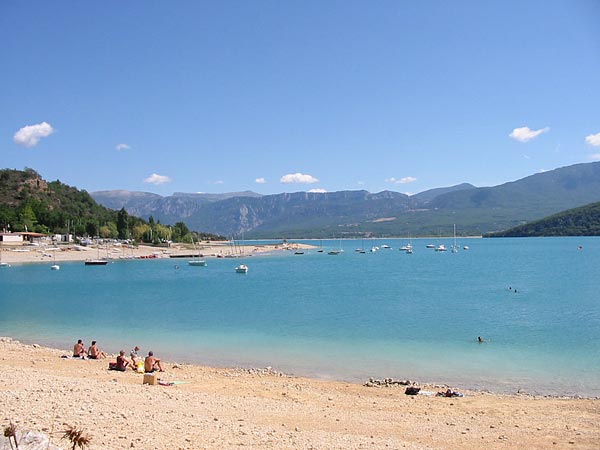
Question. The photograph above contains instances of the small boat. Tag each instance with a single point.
(441, 248)
(409, 251)
(4, 264)
(96, 262)
(54, 266)
(454, 246)
(298, 252)
(197, 262)
(242, 268)
(466, 247)
(386, 246)
(333, 252)
(430, 246)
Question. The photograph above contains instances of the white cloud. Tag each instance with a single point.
(593, 140)
(595, 157)
(318, 191)
(122, 147)
(260, 180)
(30, 135)
(298, 178)
(157, 179)
(526, 156)
(400, 180)
(525, 134)
(360, 183)
(219, 182)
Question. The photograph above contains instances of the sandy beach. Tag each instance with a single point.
(19, 254)
(220, 408)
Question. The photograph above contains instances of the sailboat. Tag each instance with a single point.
(454, 246)
(96, 262)
(196, 261)
(2, 264)
(320, 247)
(54, 266)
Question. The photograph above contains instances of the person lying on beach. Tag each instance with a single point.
(450, 393)
(122, 362)
(79, 350)
(94, 352)
(152, 364)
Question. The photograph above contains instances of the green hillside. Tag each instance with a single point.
(29, 203)
(582, 221)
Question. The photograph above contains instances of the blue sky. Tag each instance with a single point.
(272, 96)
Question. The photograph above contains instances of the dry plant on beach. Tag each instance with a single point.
(11, 432)
(76, 437)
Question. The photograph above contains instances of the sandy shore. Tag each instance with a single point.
(235, 408)
(18, 254)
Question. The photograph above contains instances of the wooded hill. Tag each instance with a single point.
(29, 203)
(582, 221)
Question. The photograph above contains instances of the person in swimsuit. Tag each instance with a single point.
(122, 362)
(94, 352)
(152, 364)
(79, 350)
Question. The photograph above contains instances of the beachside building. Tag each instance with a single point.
(13, 238)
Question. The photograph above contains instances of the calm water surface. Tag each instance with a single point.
(349, 316)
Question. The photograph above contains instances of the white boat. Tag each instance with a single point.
(454, 246)
(386, 246)
(2, 264)
(54, 266)
(409, 251)
(430, 246)
(466, 247)
(242, 268)
(197, 262)
(441, 248)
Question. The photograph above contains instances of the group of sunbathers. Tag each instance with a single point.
(93, 352)
(151, 363)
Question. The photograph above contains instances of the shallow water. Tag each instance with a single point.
(348, 316)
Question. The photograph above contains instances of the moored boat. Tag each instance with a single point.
(242, 268)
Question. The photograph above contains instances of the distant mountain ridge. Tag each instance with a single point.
(474, 210)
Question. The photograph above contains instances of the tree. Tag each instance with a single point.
(122, 224)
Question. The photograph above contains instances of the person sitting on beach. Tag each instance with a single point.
(122, 362)
(94, 352)
(152, 364)
(79, 350)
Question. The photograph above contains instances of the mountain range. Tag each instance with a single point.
(475, 210)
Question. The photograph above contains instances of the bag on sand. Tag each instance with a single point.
(411, 390)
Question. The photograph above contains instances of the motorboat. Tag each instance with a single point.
(430, 246)
(242, 268)
(197, 262)
(441, 248)
(386, 246)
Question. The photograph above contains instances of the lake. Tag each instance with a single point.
(351, 316)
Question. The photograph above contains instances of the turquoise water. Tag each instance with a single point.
(349, 316)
